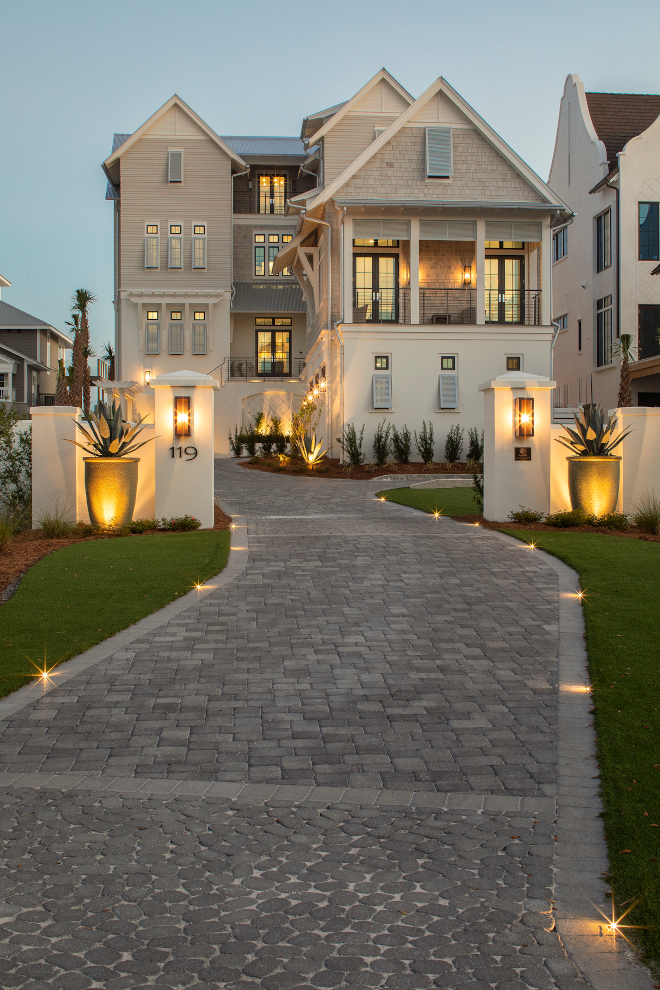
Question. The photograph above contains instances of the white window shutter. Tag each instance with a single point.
(176, 337)
(382, 391)
(175, 166)
(151, 252)
(448, 391)
(439, 156)
(152, 339)
(199, 338)
(199, 252)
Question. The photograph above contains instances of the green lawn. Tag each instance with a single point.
(83, 593)
(622, 622)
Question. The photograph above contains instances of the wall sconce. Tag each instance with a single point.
(182, 416)
(147, 375)
(323, 385)
(467, 274)
(524, 417)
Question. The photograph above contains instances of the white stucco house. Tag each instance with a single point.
(606, 260)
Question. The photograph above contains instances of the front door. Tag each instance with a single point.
(274, 352)
(505, 285)
(375, 281)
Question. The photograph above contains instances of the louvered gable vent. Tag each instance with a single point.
(439, 157)
(175, 162)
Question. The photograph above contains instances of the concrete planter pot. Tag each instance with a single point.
(593, 484)
(111, 487)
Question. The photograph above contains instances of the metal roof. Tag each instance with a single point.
(118, 140)
(254, 145)
(264, 297)
(12, 318)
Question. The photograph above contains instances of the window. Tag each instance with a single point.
(48, 350)
(375, 242)
(175, 166)
(286, 238)
(448, 362)
(151, 246)
(152, 338)
(176, 332)
(448, 391)
(648, 329)
(513, 364)
(273, 348)
(603, 241)
(439, 158)
(649, 246)
(505, 245)
(175, 246)
(200, 314)
(273, 321)
(274, 243)
(562, 322)
(272, 254)
(382, 362)
(152, 314)
(199, 338)
(259, 238)
(604, 331)
(199, 245)
(272, 193)
(579, 335)
(560, 244)
(382, 391)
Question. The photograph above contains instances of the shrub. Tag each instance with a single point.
(267, 441)
(475, 444)
(55, 523)
(15, 468)
(7, 530)
(351, 444)
(613, 520)
(401, 444)
(646, 513)
(236, 442)
(142, 525)
(250, 440)
(478, 489)
(424, 442)
(281, 442)
(526, 515)
(255, 460)
(454, 444)
(381, 444)
(572, 517)
(179, 524)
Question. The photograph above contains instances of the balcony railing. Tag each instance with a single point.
(251, 369)
(438, 305)
(7, 395)
(521, 306)
(455, 306)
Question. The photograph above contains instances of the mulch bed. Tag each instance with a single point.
(538, 527)
(25, 549)
(330, 467)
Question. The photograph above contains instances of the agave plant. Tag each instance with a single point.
(109, 435)
(311, 454)
(592, 436)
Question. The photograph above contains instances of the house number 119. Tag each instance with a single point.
(190, 452)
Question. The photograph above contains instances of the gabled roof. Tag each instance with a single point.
(253, 297)
(175, 100)
(12, 318)
(266, 145)
(618, 117)
(4, 282)
(345, 108)
(310, 123)
(442, 86)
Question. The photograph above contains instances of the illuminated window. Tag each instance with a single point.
(200, 314)
(199, 228)
(505, 245)
(448, 362)
(152, 314)
(375, 242)
(259, 260)
(259, 238)
(273, 321)
(513, 364)
(272, 193)
(175, 228)
(152, 228)
(382, 362)
(175, 314)
(273, 238)
(286, 238)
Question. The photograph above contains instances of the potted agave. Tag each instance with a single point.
(111, 475)
(593, 470)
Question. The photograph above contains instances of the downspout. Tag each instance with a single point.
(314, 174)
(618, 258)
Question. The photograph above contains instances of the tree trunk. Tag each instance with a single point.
(624, 397)
(62, 394)
(78, 361)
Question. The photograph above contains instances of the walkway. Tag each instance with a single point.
(339, 769)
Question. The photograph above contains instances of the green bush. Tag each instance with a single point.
(179, 524)
(255, 460)
(250, 440)
(7, 530)
(477, 487)
(142, 525)
(381, 444)
(236, 442)
(646, 513)
(401, 444)
(526, 515)
(15, 468)
(566, 518)
(424, 442)
(613, 520)
(267, 441)
(454, 444)
(475, 444)
(351, 443)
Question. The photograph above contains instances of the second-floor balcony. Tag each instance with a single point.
(448, 305)
(278, 368)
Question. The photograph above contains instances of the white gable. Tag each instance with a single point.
(382, 98)
(175, 122)
(439, 109)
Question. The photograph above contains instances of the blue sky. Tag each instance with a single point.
(75, 71)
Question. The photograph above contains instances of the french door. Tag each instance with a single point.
(274, 352)
(375, 281)
(505, 290)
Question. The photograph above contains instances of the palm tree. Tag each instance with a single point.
(625, 351)
(62, 394)
(75, 387)
(109, 356)
(82, 300)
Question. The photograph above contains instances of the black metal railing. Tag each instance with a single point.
(45, 400)
(521, 306)
(440, 305)
(246, 369)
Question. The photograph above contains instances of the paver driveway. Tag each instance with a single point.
(400, 673)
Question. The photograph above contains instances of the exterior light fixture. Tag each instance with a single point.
(182, 416)
(323, 385)
(524, 417)
(467, 274)
(147, 375)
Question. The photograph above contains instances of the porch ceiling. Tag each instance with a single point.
(449, 208)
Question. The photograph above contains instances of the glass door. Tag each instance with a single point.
(274, 352)
(505, 290)
(375, 282)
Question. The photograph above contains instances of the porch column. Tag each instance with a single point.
(347, 262)
(414, 271)
(546, 269)
(480, 257)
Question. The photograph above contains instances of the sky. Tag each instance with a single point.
(73, 72)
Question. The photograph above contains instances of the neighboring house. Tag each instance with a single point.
(606, 271)
(29, 352)
(199, 219)
(425, 259)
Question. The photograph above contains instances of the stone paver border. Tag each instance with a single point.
(236, 564)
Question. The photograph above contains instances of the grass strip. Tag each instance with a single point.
(623, 646)
(85, 592)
